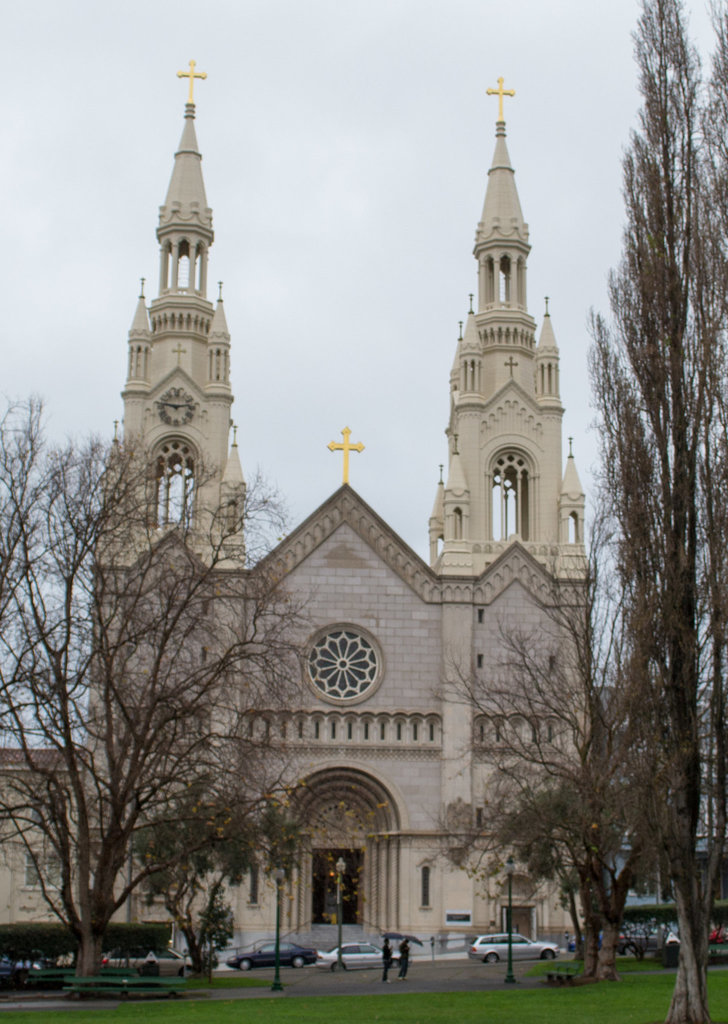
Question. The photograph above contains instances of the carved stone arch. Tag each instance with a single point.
(353, 815)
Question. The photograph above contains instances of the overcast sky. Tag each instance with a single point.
(346, 145)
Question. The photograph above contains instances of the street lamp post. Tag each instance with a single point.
(340, 869)
(279, 875)
(510, 868)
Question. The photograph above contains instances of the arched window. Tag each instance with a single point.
(504, 291)
(574, 528)
(425, 887)
(175, 481)
(510, 497)
(253, 883)
(457, 524)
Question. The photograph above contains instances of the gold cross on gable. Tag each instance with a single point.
(500, 92)
(179, 351)
(510, 364)
(192, 75)
(345, 447)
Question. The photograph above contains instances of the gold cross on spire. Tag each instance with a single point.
(500, 92)
(192, 75)
(346, 447)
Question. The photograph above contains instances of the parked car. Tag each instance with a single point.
(264, 955)
(354, 956)
(169, 962)
(641, 944)
(491, 948)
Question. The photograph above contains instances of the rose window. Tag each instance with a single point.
(343, 664)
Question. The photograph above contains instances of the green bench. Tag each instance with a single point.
(563, 974)
(117, 981)
(49, 977)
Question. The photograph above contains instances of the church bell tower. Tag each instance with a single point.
(504, 481)
(177, 398)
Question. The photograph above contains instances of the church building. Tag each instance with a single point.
(387, 750)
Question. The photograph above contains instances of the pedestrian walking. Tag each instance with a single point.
(404, 949)
(386, 959)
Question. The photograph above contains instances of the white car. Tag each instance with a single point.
(492, 948)
(354, 956)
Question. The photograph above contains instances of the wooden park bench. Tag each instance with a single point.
(121, 983)
(49, 977)
(563, 974)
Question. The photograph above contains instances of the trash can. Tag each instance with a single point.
(149, 970)
(670, 954)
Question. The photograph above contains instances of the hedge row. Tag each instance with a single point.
(26, 941)
(665, 913)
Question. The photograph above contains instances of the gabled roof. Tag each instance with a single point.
(346, 506)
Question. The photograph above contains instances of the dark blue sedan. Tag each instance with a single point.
(264, 955)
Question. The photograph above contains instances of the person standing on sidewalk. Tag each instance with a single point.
(386, 959)
(404, 949)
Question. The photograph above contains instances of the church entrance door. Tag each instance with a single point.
(323, 886)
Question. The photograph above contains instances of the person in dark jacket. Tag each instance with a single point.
(404, 949)
(386, 959)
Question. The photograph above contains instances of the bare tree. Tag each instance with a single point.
(131, 659)
(555, 725)
(659, 375)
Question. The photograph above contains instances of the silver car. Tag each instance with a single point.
(492, 948)
(354, 956)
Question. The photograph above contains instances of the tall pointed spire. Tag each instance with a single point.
(504, 467)
(178, 399)
(186, 202)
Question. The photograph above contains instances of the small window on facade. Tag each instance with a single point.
(382, 731)
(432, 732)
(480, 615)
(366, 730)
(478, 817)
(349, 730)
(316, 730)
(414, 732)
(479, 661)
(300, 728)
(482, 732)
(425, 879)
(399, 730)
(253, 883)
(333, 730)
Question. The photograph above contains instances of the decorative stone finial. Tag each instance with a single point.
(141, 290)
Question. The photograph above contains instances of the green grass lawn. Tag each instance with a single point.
(638, 999)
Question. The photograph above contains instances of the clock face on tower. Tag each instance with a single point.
(176, 407)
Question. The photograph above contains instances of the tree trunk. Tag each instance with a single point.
(606, 967)
(88, 958)
(690, 996)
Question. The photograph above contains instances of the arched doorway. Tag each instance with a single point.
(349, 815)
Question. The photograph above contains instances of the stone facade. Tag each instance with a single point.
(382, 738)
